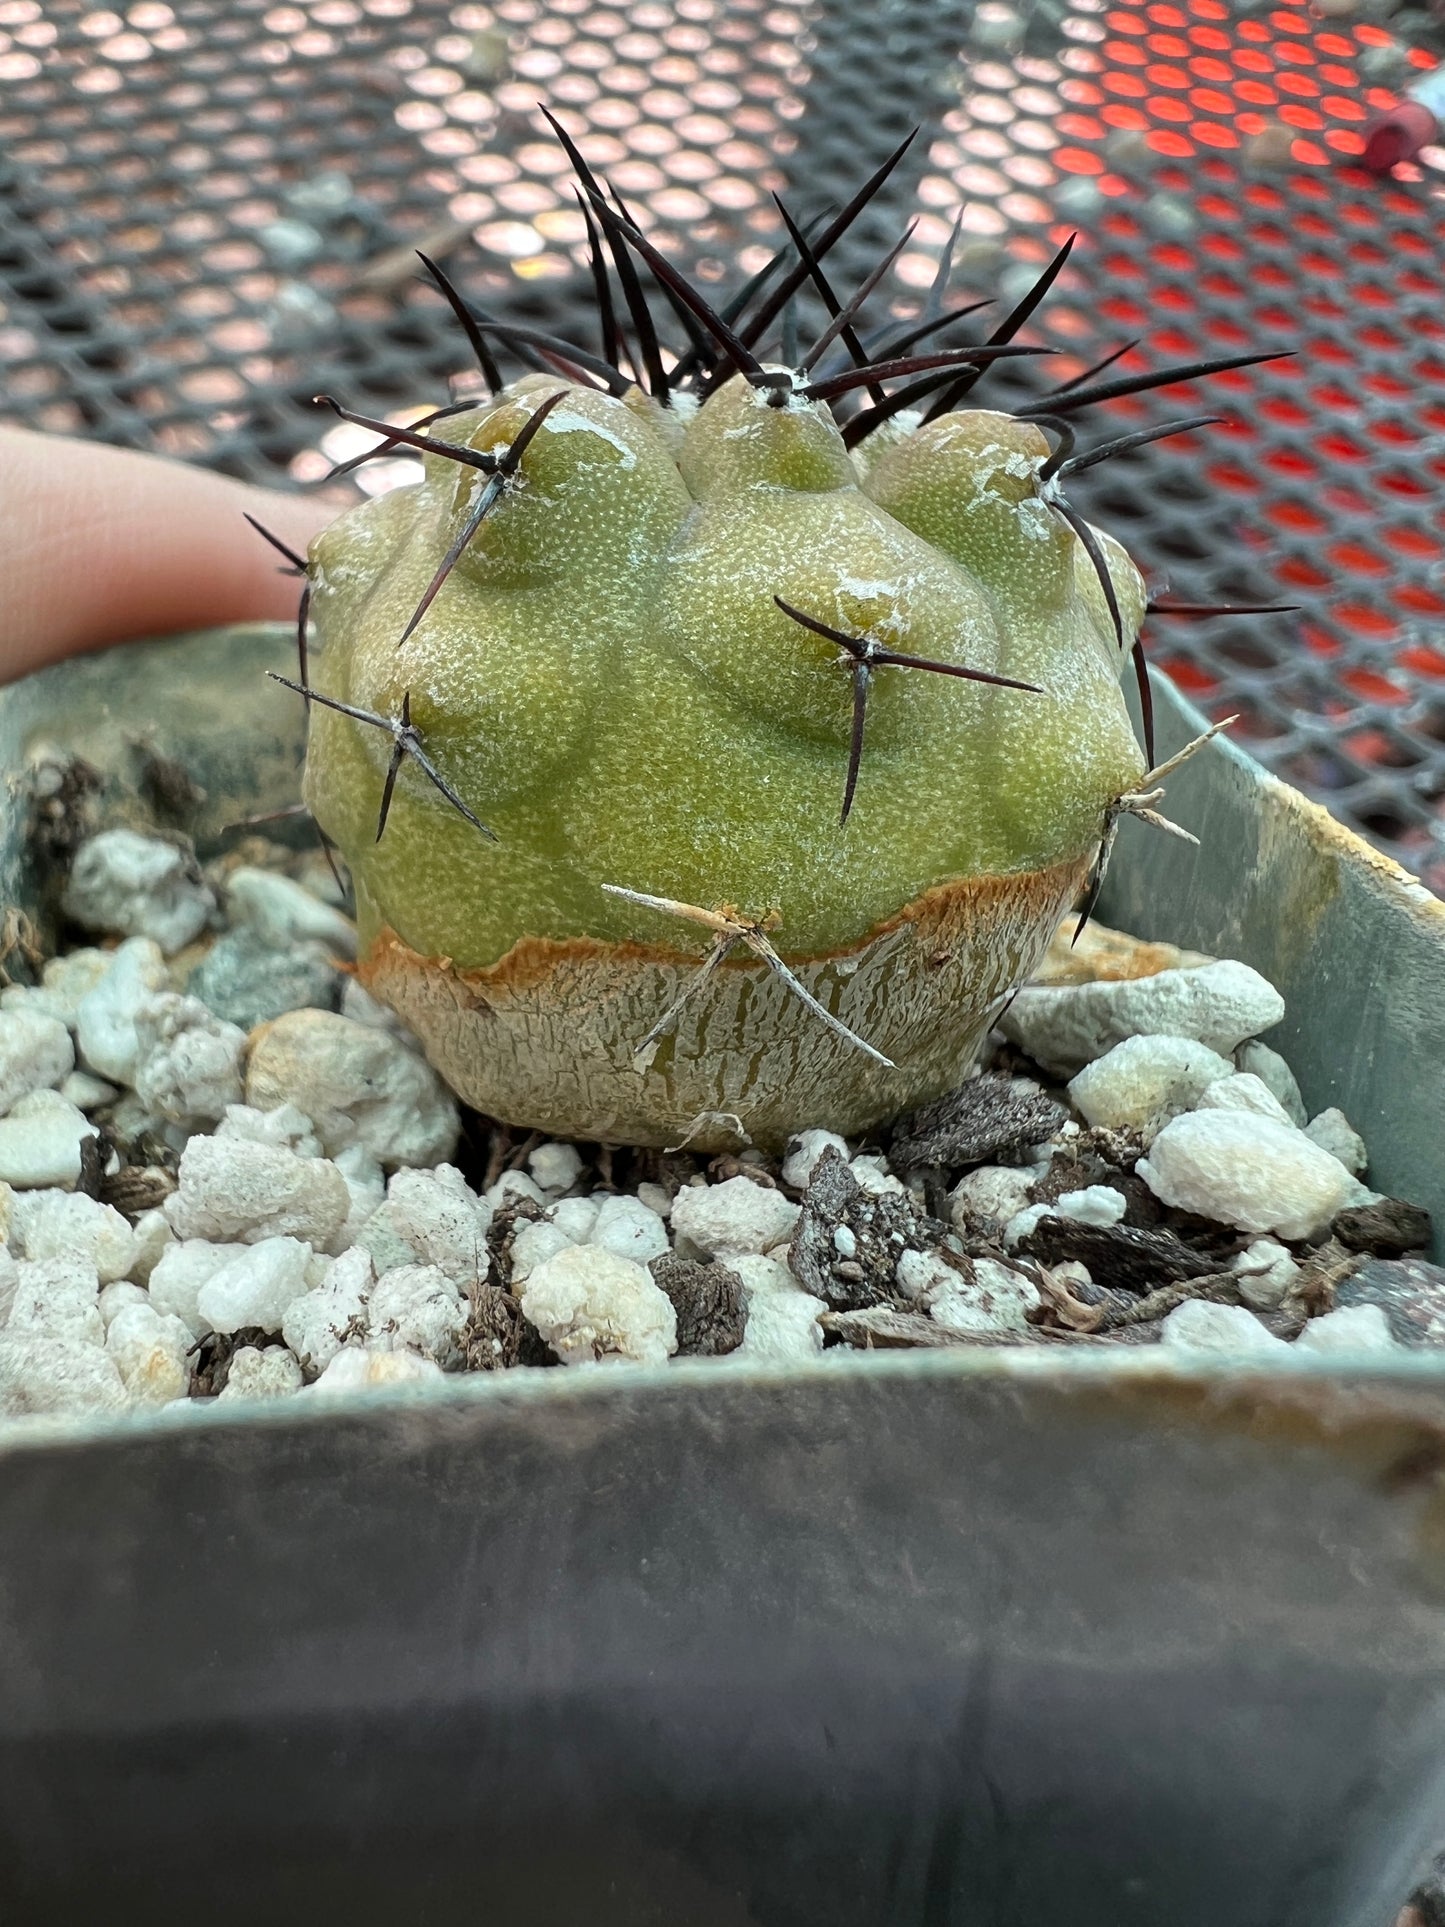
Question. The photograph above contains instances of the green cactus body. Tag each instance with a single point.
(607, 680)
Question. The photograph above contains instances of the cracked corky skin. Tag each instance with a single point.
(607, 681)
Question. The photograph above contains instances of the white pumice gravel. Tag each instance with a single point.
(188, 1063)
(992, 1194)
(782, 1319)
(625, 1227)
(1197, 1326)
(233, 1190)
(64, 981)
(1243, 1091)
(1267, 1274)
(1353, 1329)
(319, 1323)
(68, 1224)
(181, 1271)
(1097, 1204)
(994, 1303)
(127, 885)
(735, 1216)
(1065, 1027)
(1276, 1076)
(282, 913)
(511, 1186)
(1143, 1082)
(416, 1308)
(105, 1016)
(359, 1368)
(555, 1168)
(356, 1084)
(442, 1220)
(35, 1054)
(257, 1286)
(150, 1350)
(592, 1306)
(804, 1150)
(314, 1199)
(257, 1373)
(1250, 1172)
(1333, 1132)
(40, 1142)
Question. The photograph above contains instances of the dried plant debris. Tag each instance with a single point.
(988, 1118)
(709, 1302)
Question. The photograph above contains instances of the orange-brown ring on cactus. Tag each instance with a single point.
(546, 1037)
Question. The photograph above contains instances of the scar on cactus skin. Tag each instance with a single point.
(611, 616)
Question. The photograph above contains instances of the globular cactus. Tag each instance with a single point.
(709, 767)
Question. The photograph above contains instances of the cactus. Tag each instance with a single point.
(715, 747)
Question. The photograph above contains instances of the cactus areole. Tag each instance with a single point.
(710, 762)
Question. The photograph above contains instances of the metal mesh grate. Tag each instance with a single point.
(207, 213)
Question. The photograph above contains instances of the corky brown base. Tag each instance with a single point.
(545, 1038)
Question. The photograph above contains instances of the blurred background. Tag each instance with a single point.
(208, 212)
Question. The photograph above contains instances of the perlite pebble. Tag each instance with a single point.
(114, 1299)
(1143, 1082)
(1249, 1172)
(511, 1186)
(40, 1142)
(129, 885)
(1267, 1274)
(1096, 1204)
(284, 914)
(625, 1227)
(589, 1304)
(9, 1279)
(85, 1092)
(188, 1063)
(656, 1197)
(256, 1287)
(285, 1126)
(317, 1325)
(356, 1084)
(150, 1350)
(735, 1216)
(63, 982)
(105, 1016)
(67, 1224)
(873, 1177)
(1333, 1132)
(555, 1167)
(782, 1319)
(533, 1244)
(365, 1186)
(153, 1238)
(257, 1373)
(575, 1216)
(1066, 1027)
(1243, 1091)
(361, 1369)
(804, 1150)
(994, 1303)
(35, 1054)
(1354, 1329)
(232, 1190)
(56, 1298)
(442, 1220)
(1229, 1330)
(62, 1378)
(416, 1308)
(993, 1193)
(181, 1271)
(1276, 1076)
